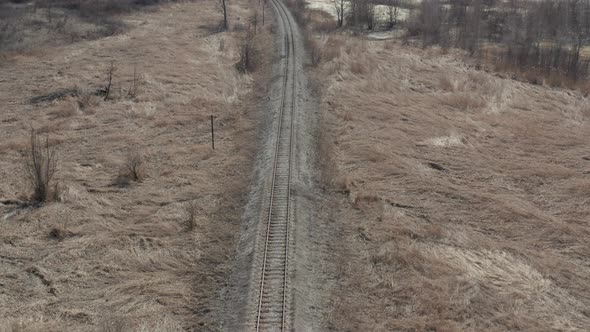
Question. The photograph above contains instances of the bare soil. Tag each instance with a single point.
(462, 196)
(109, 257)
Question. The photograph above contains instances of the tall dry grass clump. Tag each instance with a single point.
(132, 169)
(247, 54)
(191, 210)
(40, 166)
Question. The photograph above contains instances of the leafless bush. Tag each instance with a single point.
(313, 47)
(40, 165)
(315, 52)
(133, 169)
(247, 54)
(134, 87)
(109, 85)
(191, 209)
(135, 166)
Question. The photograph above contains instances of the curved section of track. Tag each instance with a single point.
(273, 303)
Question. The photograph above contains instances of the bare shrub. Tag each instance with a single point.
(135, 166)
(247, 53)
(315, 53)
(134, 86)
(133, 169)
(191, 209)
(109, 85)
(40, 165)
(313, 48)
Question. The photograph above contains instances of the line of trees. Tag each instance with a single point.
(546, 36)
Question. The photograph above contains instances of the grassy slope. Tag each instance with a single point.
(466, 205)
(127, 258)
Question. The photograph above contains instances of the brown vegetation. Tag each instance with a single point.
(105, 258)
(40, 165)
(133, 169)
(462, 196)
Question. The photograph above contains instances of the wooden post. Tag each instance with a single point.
(212, 134)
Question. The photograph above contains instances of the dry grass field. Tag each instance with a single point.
(109, 254)
(464, 197)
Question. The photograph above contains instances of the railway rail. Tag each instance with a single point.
(273, 302)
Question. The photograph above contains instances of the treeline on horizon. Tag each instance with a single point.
(544, 40)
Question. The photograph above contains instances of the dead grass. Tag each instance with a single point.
(120, 259)
(31, 27)
(464, 101)
(494, 238)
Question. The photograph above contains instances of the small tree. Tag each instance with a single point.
(340, 6)
(430, 22)
(392, 12)
(40, 165)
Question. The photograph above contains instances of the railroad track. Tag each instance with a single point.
(273, 301)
